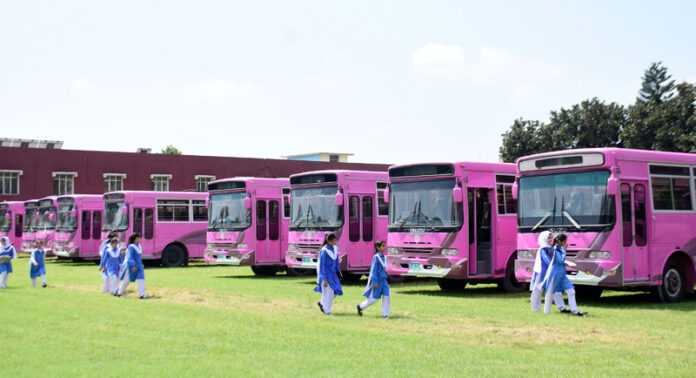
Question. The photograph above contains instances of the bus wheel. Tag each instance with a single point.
(351, 277)
(264, 270)
(449, 284)
(396, 279)
(173, 256)
(509, 283)
(589, 293)
(292, 272)
(673, 285)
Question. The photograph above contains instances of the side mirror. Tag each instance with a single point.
(51, 217)
(247, 202)
(7, 216)
(73, 213)
(457, 194)
(515, 190)
(386, 195)
(207, 201)
(612, 185)
(124, 210)
(339, 198)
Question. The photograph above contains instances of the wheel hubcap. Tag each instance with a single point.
(672, 282)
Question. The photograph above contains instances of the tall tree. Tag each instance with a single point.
(657, 86)
(522, 139)
(592, 123)
(171, 150)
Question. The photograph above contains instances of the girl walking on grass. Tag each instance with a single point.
(328, 269)
(7, 253)
(377, 285)
(556, 279)
(133, 266)
(37, 264)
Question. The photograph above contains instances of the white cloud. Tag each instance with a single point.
(335, 60)
(326, 84)
(438, 60)
(81, 85)
(218, 89)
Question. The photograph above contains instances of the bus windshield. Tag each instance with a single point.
(45, 222)
(30, 220)
(227, 212)
(575, 201)
(5, 224)
(66, 220)
(423, 204)
(315, 208)
(115, 218)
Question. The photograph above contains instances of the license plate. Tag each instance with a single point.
(415, 266)
(306, 259)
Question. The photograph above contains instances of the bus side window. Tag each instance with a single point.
(273, 220)
(354, 219)
(85, 225)
(470, 205)
(137, 220)
(286, 203)
(19, 222)
(639, 205)
(149, 223)
(260, 220)
(367, 218)
(626, 215)
(96, 225)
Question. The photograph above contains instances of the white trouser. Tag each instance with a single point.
(327, 298)
(3, 281)
(386, 304)
(105, 289)
(112, 279)
(536, 299)
(571, 299)
(43, 280)
(126, 281)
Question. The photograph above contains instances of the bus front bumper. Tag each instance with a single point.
(431, 266)
(301, 260)
(229, 257)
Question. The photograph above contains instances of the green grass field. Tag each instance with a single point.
(209, 320)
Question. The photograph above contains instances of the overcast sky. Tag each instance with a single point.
(391, 81)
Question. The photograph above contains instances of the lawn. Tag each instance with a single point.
(209, 320)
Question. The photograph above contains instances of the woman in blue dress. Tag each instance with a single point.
(102, 264)
(541, 265)
(112, 265)
(133, 266)
(37, 264)
(7, 253)
(328, 269)
(377, 285)
(556, 279)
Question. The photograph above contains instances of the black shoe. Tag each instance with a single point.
(143, 297)
(565, 311)
(580, 313)
(44, 285)
(359, 310)
(118, 295)
(321, 308)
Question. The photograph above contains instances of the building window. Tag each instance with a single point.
(9, 182)
(202, 182)
(113, 182)
(64, 183)
(160, 183)
(333, 158)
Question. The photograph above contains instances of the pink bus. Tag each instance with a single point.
(78, 228)
(317, 207)
(12, 222)
(172, 224)
(46, 225)
(453, 221)
(248, 223)
(629, 216)
(31, 220)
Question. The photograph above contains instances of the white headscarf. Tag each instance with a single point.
(8, 247)
(542, 244)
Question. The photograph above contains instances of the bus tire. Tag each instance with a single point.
(396, 279)
(352, 277)
(449, 284)
(590, 293)
(173, 256)
(265, 271)
(292, 272)
(673, 285)
(509, 283)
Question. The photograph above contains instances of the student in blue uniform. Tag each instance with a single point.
(328, 269)
(102, 264)
(37, 264)
(133, 266)
(541, 265)
(112, 265)
(377, 285)
(7, 253)
(556, 279)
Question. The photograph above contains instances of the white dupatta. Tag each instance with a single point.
(333, 254)
(369, 277)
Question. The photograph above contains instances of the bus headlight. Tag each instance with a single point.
(210, 246)
(392, 251)
(525, 253)
(600, 255)
(292, 247)
(242, 246)
(449, 251)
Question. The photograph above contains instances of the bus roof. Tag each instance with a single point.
(152, 194)
(255, 179)
(449, 169)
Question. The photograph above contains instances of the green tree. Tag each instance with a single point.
(592, 123)
(657, 86)
(171, 150)
(522, 139)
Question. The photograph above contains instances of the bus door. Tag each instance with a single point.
(144, 223)
(479, 217)
(268, 232)
(361, 230)
(636, 259)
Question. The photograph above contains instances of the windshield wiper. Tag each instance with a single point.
(546, 217)
(572, 220)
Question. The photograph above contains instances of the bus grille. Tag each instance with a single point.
(421, 251)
